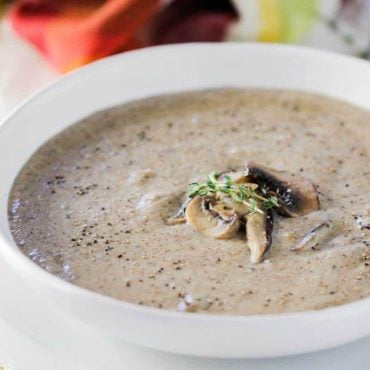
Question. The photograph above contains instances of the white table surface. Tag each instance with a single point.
(22, 71)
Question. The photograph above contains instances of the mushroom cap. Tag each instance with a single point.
(297, 196)
(202, 220)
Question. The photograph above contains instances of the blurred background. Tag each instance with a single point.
(42, 39)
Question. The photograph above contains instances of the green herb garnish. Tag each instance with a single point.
(240, 193)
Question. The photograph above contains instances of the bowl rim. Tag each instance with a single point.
(24, 266)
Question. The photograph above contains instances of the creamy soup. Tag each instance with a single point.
(91, 205)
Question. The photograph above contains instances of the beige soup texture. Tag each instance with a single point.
(91, 205)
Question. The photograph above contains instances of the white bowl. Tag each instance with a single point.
(162, 70)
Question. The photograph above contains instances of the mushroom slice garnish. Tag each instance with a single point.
(240, 208)
(319, 234)
(220, 209)
(224, 229)
(179, 216)
(201, 219)
(297, 196)
(259, 234)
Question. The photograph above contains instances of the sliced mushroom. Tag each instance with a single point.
(297, 196)
(259, 234)
(221, 209)
(318, 235)
(240, 208)
(201, 219)
(179, 216)
(224, 229)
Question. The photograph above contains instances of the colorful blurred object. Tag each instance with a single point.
(74, 32)
(71, 33)
(274, 20)
(193, 20)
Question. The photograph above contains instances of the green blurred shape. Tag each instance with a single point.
(296, 18)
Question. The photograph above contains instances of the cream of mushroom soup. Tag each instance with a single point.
(93, 204)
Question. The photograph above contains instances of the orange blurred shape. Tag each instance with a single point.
(74, 32)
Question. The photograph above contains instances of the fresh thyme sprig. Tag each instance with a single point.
(240, 193)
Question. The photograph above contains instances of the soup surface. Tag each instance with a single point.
(91, 204)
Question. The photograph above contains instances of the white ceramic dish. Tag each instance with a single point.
(162, 70)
